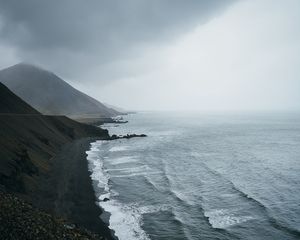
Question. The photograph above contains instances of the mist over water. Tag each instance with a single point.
(201, 176)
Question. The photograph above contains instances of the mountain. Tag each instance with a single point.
(119, 109)
(10, 103)
(49, 94)
(43, 161)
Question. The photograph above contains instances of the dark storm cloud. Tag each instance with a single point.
(73, 36)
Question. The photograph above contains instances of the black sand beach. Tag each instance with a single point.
(71, 188)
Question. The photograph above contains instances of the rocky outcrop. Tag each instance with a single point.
(128, 136)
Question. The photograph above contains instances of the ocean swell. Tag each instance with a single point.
(125, 219)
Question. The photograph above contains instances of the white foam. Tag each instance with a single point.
(105, 195)
(222, 218)
(136, 174)
(121, 160)
(155, 208)
(125, 220)
(98, 175)
(130, 169)
(118, 148)
(96, 167)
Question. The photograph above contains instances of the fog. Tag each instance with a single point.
(242, 55)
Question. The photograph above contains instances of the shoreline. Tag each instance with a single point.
(43, 164)
(51, 168)
(98, 121)
(75, 197)
(124, 224)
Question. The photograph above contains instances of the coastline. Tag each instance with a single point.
(98, 121)
(124, 222)
(74, 196)
(43, 164)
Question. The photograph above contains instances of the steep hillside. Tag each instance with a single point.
(29, 139)
(10, 103)
(49, 94)
(28, 142)
(43, 161)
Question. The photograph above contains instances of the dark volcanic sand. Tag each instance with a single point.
(70, 188)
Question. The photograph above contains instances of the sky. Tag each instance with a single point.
(213, 55)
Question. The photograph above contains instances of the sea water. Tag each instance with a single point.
(201, 176)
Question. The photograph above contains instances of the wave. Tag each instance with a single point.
(143, 170)
(125, 220)
(153, 184)
(265, 210)
(181, 197)
(177, 194)
(98, 175)
(122, 160)
(218, 218)
(280, 226)
(137, 174)
(223, 218)
(155, 208)
(130, 169)
(118, 148)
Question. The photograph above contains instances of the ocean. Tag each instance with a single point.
(201, 176)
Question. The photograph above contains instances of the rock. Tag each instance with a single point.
(114, 136)
(19, 220)
(69, 226)
(128, 136)
(134, 135)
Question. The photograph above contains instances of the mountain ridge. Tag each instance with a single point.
(50, 94)
(12, 104)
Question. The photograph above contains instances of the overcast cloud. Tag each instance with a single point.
(74, 37)
(163, 54)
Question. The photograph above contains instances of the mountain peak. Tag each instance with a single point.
(26, 65)
(50, 94)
